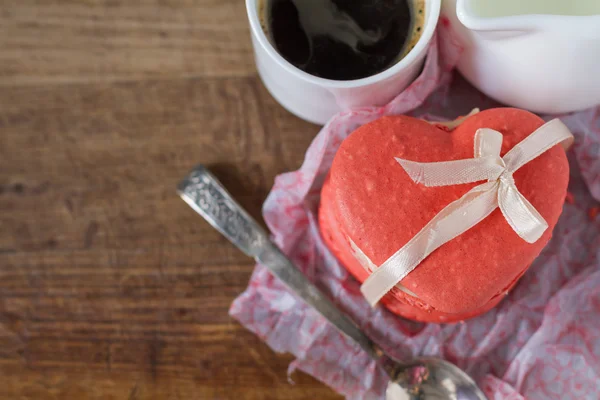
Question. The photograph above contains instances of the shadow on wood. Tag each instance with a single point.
(235, 180)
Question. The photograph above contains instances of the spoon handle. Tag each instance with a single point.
(207, 196)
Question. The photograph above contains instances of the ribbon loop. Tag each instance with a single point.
(455, 172)
(464, 213)
(488, 142)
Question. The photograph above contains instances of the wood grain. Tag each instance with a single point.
(87, 41)
(110, 286)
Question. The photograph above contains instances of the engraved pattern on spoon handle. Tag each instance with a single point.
(205, 194)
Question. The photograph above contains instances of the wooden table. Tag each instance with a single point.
(111, 287)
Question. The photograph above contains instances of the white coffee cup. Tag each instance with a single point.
(316, 99)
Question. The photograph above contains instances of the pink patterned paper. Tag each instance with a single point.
(542, 342)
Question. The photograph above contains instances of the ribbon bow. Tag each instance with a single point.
(461, 215)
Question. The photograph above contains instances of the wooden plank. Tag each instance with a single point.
(264, 380)
(58, 41)
(101, 162)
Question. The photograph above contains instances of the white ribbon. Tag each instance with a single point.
(461, 215)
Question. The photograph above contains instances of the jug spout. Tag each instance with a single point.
(579, 17)
(473, 17)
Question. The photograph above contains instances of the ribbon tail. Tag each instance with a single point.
(456, 218)
(520, 214)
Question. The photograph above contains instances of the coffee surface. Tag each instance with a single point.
(341, 39)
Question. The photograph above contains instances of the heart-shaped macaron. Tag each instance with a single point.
(370, 208)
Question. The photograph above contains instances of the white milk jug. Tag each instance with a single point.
(541, 55)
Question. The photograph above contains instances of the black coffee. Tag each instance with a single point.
(341, 39)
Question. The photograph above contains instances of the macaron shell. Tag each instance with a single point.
(380, 208)
(396, 301)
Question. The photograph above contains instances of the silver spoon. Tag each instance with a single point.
(421, 378)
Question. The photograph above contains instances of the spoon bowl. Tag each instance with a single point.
(431, 378)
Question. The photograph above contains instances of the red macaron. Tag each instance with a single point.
(370, 203)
